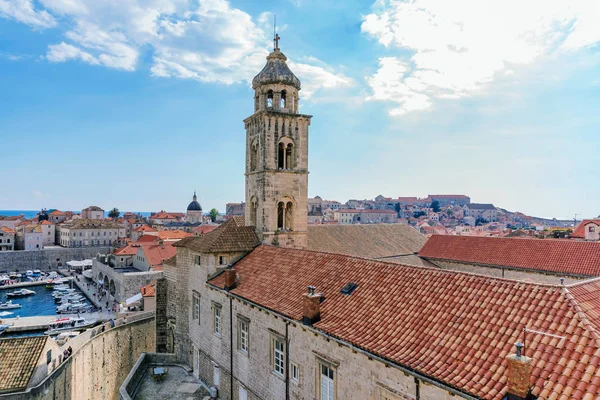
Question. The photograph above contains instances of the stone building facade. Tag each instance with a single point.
(89, 232)
(277, 156)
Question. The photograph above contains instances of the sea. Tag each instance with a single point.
(29, 214)
(42, 303)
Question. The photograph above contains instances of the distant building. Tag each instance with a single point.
(89, 232)
(588, 229)
(350, 216)
(29, 237)
(7, 239)
(92, 212)
(315, 210)
(449, 199)
(10, 222)
(235, 209)
(484, 211)
(141, 231)
(57, 216)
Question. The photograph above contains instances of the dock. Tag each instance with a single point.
(38, 323)
(32, 283)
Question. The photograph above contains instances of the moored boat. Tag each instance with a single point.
(9, 305)
(5, 314)
(21, 293)
(3, 327)
(68, 324)
(29, 272)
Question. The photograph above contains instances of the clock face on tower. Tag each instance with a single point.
(277, 156)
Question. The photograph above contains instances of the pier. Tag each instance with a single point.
(39, 323)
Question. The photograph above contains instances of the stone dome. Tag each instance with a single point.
(194, 205)
(276, 71)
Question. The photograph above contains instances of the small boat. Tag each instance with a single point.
(21, 293)
(3, 327)
(19, 276)
(64, 337)
(70, 308)
(5, 314)
(9, 305)
(13, 275)
(29, 272)
(70, 299)
(4, 280)
(37, 272)
(68, 324)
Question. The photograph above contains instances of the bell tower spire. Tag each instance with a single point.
(277, 156)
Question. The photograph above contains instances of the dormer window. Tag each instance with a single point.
(282, 102)
(270, 99)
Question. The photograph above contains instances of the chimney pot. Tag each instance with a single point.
(311, 307)
(230, 278)
(519, 374)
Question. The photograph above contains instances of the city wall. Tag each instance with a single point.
(97, 369)
(46, 259)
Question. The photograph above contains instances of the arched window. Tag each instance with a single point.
(288, 156)
(254, 156)
(289, 216)
(282, 101)
(281, 156)
(280, 215)
(253, 208)
(270, 98)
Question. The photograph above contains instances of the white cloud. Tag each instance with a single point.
(457, 47)
(24, 11)
(39, 194)
(206, 40)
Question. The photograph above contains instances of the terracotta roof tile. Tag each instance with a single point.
(231, 236)
(146, 239)
(454, 327)
(549, 255)
(172, 235)
(144, 228)
(369, 241)
(156, 254)
(7, 229)
(149, 290)
(19, 357)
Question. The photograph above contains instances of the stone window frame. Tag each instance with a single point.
(240, 321)
(222, 259)
(197, 259)
(275, 337)
(217, 319)
(196, 306)
(294, 377)
(323, 361)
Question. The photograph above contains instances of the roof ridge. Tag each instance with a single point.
(582, 315)
(452, 271)
(583, 282)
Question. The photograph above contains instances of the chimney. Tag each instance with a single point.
(311, 306)
(230, 277)
(519, 374)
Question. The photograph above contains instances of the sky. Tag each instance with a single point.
(137, 103)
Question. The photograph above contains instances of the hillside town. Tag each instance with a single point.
(289, 297)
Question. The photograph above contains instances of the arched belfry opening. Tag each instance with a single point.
(282, 100)
(270, 99)
(254, 156)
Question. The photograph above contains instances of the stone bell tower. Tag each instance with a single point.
(277, 156)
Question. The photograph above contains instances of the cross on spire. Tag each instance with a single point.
(276, 40)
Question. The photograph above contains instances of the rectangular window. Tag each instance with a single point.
(295, 372)
(326, 382)
(243, 334)
(278, 356)
(217, 319)
(197, 260)
(196, 305)
(222, 260)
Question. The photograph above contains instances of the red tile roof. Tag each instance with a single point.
(46, 223)
(173, 235)
(202, 229)
(146, 239)
(144, 228)
(231, 236)
(579, 231)
(7, 229)
(548, 255)
(155, 254)
(149, 290)
(362, 211)
(456, 328)
(57, 212)
(128, 250)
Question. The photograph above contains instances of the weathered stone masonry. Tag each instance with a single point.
(46, 259)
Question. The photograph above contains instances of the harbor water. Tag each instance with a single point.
(41, 303)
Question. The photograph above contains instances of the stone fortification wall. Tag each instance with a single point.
(97, 369)
(46, 259)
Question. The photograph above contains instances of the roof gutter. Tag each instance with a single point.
(387, 362)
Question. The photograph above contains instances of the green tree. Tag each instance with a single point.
(114, 213)
(213, 214)
(435, 205)
(449, 212)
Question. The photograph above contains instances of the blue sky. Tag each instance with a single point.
(136, 103)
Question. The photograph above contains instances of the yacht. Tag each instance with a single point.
(29, 272)
(37, 272)
(9, 305)
(68, 324)
(21, 293)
